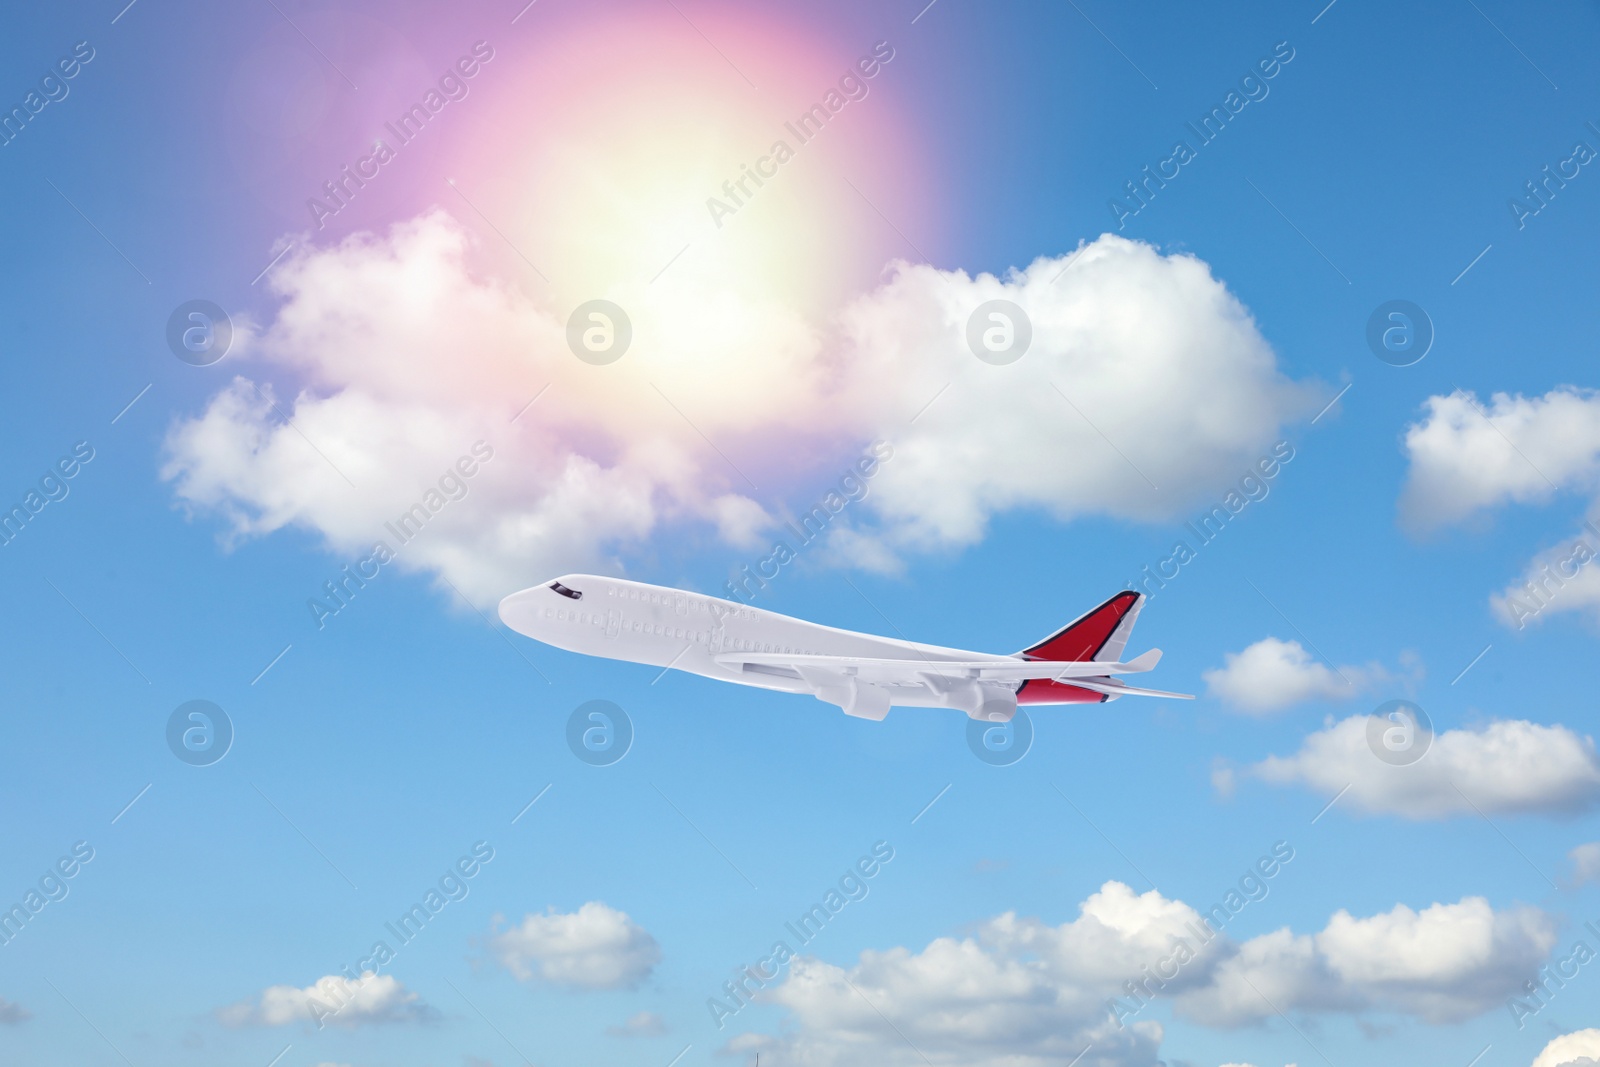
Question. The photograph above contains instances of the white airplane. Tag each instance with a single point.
(862, 673)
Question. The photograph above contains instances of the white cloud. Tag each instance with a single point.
(1446, 963)
(1022, 993)
(1585, 864)
(404, 358)
(595, 947)
(740, 521)
(1580, 1049)
(1507, 767)
(640, 1024)
(333, 1000)
(12, 1013)
(1563, 578)
(1018, 993)
(1271, 675)
(1139, 363)
(1467, 457)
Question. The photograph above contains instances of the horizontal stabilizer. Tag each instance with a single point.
(1138, 664)
(1117, 689)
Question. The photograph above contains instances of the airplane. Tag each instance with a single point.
(863, 674)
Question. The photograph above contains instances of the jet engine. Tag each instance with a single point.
(861, 699)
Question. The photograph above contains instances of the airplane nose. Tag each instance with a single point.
(523, 610)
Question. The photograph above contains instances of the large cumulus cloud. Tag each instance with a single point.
(1147, 385)
(1506, 767)
(1019, 992)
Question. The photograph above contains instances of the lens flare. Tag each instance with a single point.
(650, 160)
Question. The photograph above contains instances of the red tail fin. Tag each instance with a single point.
(1101, 634)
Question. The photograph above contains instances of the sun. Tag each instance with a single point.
(651, 157)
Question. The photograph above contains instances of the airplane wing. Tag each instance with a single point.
(913, 671)
(866, 687)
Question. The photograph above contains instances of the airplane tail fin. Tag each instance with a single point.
(1099, 636)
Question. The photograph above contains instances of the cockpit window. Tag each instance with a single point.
(564, 591)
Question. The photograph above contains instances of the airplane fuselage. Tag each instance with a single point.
(641, 623)
(863, 674)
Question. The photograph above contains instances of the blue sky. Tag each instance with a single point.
(1217, 321)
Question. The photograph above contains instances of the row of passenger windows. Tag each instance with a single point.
(696, 604)
(595, 618)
